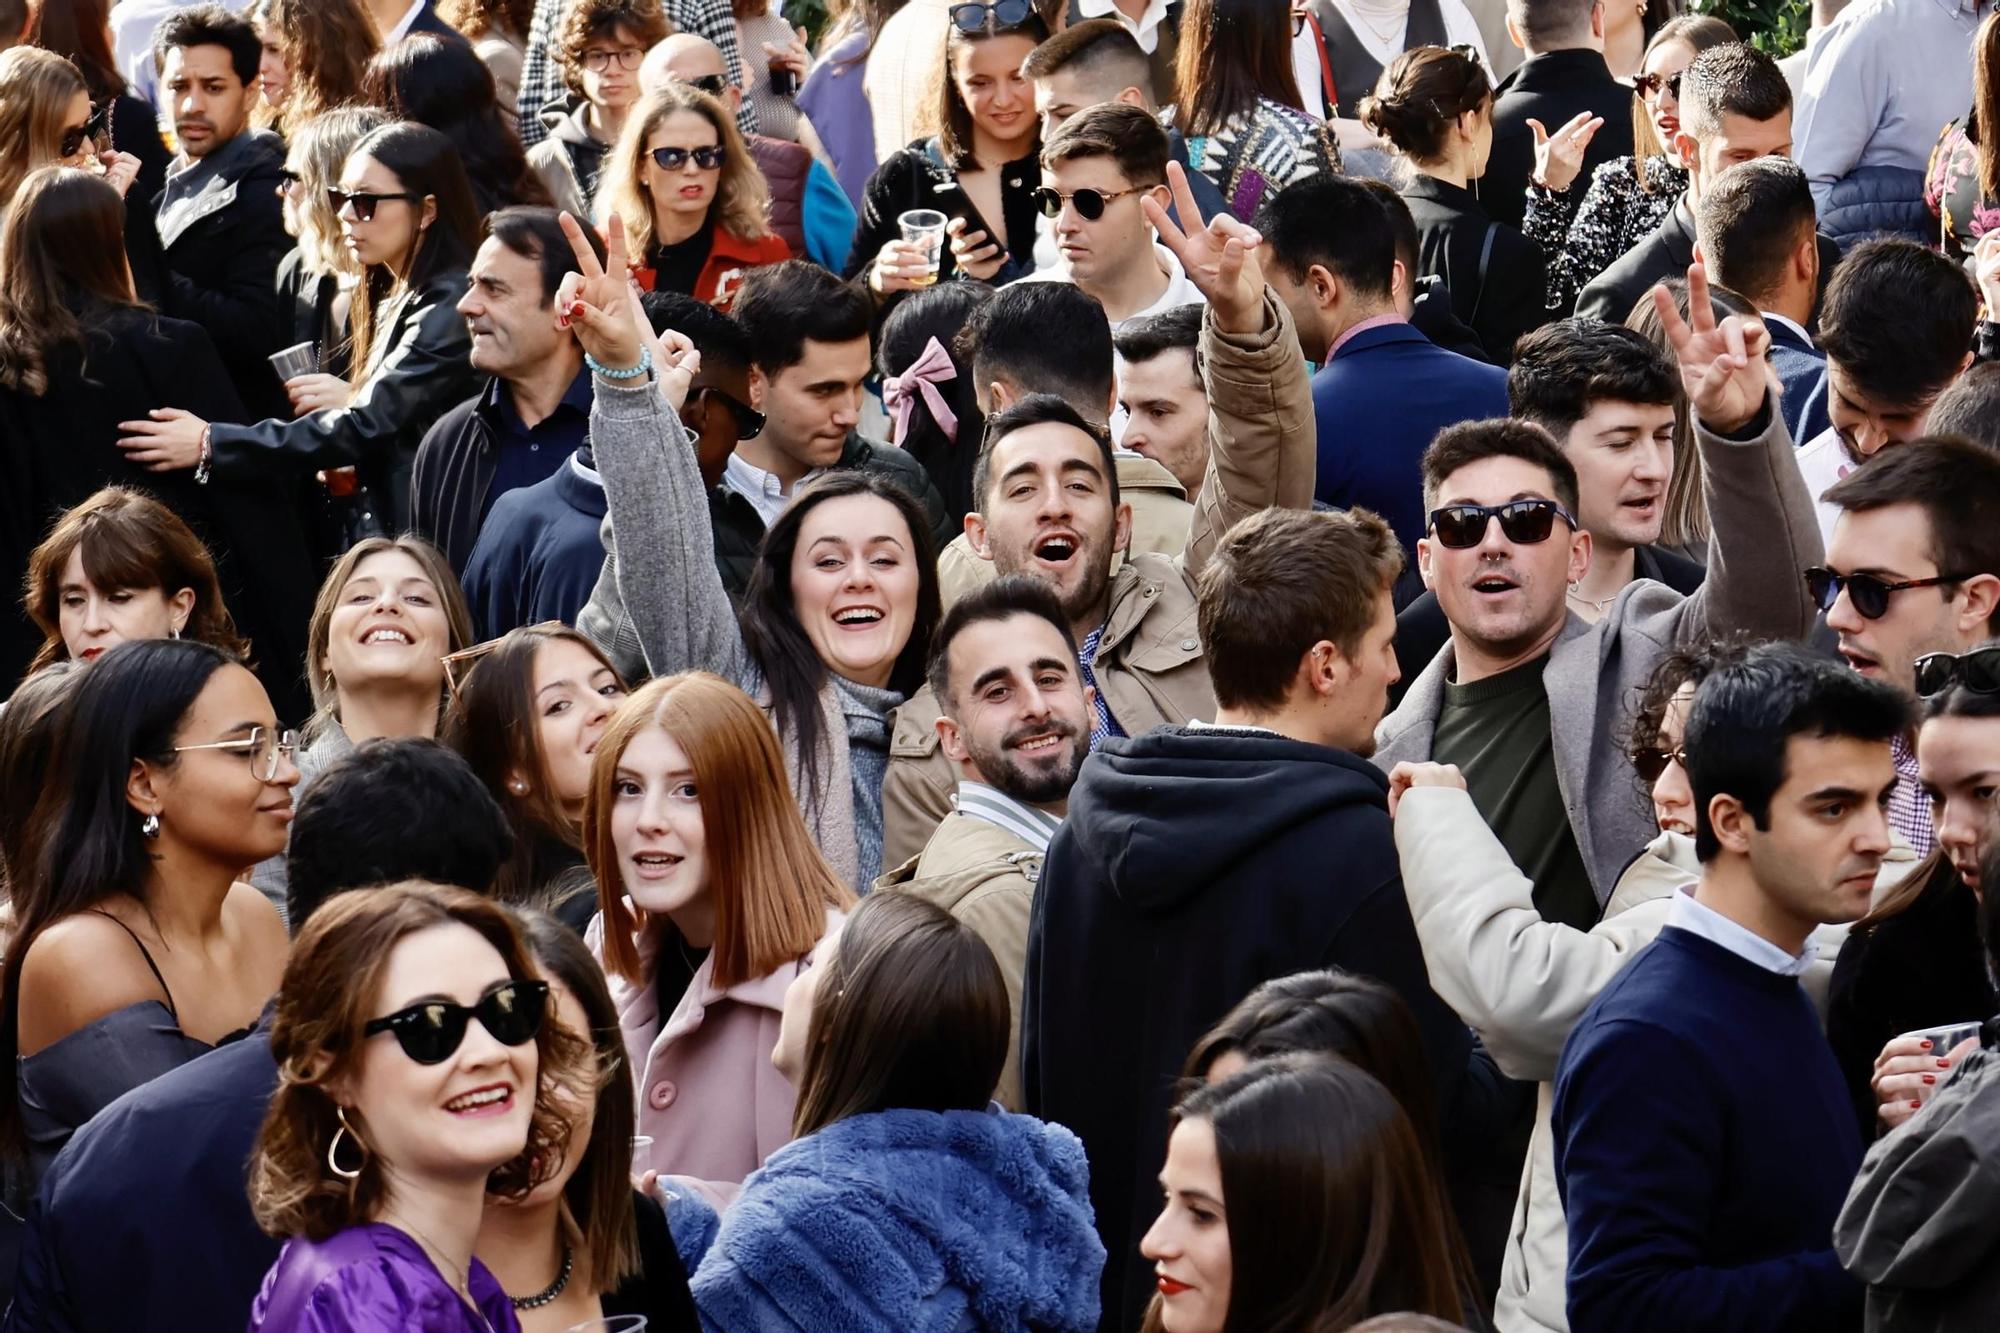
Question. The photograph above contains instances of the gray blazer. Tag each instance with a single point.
(1765, 535)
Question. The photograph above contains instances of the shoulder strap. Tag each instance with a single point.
(145, 954)
(1485, 259)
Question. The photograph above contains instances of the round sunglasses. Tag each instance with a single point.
(673, 159)
(1867, 594)
(1523, 522)
(1978, 671)
(431, 1031)
(1089, 204)
(1649, 85)
(1651, 761)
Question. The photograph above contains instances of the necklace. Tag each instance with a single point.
(553, 1290)
(1596, 606)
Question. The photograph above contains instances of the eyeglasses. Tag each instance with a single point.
(1651, 761)
(97, 129)
(431, 1032)
(715, 85)
(1978, 671)
(673, 159)
(974, 17)
(1649, 85)
(1868, 595)
(263, 746)
(1524, 522)
(365, 203)
(1090, 204)
(749, 421)
(599, 60)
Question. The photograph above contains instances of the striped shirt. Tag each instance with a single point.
(1031, 825)
(541, 66)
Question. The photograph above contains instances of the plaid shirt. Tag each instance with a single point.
(1103, 726)
(1909, 808)
(542, 75)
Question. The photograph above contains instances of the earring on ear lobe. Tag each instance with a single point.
(346, 1130)
(149, 827)
(518, 787)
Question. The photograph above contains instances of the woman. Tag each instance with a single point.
(78, 31)
(895, 1042)
(583, 1245)
(136, 948)
(1435, 107)
(315, 54)
(1237, 101)
(713, 899)
(833, 99)
(1357, 39)
(981, 169)
(416, 1075)
(527, 714)
(442, 84)
(691, 199)
(1962, 183)
(1297, 1199)
(46, 119)
(406, 212)
(498, 31)
(29, 727)
(1628, 197)
(771, 49)
(842, 600)
(928, 390)
(601, 46)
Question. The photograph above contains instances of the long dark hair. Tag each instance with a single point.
(445, 85)
(62, 258)
(28, 731)
(128, 708)
(954, 117)
(776, 641)
(425, 163)
(80, 32)
(1232, 53)
(326, 45)
(939, 312)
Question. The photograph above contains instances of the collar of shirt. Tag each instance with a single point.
(584, 470)
(402, 28)
(764, 491)
(574, 405)
(1146, 29)
(1747, 944)
(1773, 317)
(1372, 322)
(982, 801)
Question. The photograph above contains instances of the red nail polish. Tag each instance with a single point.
(1925, 1044)
(1930, 1078)
(1943, 1063)
(1916, 1106)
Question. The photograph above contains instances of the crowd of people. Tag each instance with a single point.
(1343, 657)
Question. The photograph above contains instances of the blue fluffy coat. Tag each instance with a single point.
(910, 1221)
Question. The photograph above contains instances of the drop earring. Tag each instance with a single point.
(150, 826)
(333, 1149)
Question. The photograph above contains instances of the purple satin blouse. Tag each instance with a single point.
(373, 1279)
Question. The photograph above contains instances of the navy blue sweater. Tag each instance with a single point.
(1704, 1144)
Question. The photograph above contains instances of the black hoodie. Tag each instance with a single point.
(1194, 864)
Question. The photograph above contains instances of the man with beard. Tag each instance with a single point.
(1048, 506)
(1016, 725)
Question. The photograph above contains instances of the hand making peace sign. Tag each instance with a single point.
(601, 302)
(1722, 365)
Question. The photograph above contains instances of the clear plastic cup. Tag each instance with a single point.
(298, 359)
(642, 1154)
(924, 228)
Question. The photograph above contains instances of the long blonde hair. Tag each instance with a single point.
(742, 199)
(35, 90)
(320, 146)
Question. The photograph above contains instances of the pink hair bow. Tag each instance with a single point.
(899, 392)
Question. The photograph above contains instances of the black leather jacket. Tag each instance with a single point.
(420, 371)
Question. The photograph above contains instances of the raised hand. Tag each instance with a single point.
(1220, 259)
(1559, 156)
(1722, 365)
(593, 299)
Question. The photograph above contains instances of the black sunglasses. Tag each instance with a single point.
(749, 421)
(97, 129)
(1651, 761)
(712, 84)
(1649, 84)
(430, 1032)
(974, 17)
(1868, 595)
(364, 202)
(1090, 204)
(1524, 522)
(673, 159)
(1978, 671)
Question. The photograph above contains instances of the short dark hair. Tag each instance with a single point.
(1750, 220)
(1955, 483)
(1898, 320)
(1045, 337)
(210, 25)
(1401, 223)
(1128, 135)
(1734, 79)
(353, 828)
(1002, 599)
(1545, 25)
(1746, 710)
(1970, 407)
(1562, 370)
(714, 333)
(536, 234)
(1336, 222)
(1281, 581)
(1470, 442)
(1095, 47)
(1150, 336)
(782, 306)
(1038, 409)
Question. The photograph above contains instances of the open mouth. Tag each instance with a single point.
(1860, 661)
(388, 634)
(1645, 504)
(1056, 549)
(482, 1101)
(857, 617)
(1042, 744)
(655, 865)
(1493, 585)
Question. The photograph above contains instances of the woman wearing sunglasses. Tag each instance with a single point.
(1581, 232)
(78, 31)
(47, 119)
(981, 169)
(406, 215)
(691, 199)
(137, 949)
(417, 1073)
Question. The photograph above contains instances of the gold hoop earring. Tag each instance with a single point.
(349, 1174)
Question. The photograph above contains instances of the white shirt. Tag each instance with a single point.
(1179, 290)
(1460, 29)
(901, 70)
(1822, 462)
(402, 28)
(1146, 31)
(1773, 317)
(765, 492)
(1745, 943)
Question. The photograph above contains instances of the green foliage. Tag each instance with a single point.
(808, 14)
(1774, 26)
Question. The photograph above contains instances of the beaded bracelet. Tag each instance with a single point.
(202, 461)
(603, 371)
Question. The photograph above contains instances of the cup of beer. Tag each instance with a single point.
(924, 228)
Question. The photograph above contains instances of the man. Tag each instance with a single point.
(1563, 77)
(808, 207)
(134, 24)
(1915, 562)
(1048, 506)
(1383, 390)
(1016, 723)
(1423, 300)
(1755, 231)
(1701, 1187)
(220, 221)
(1161, 393)
(1153, 25)
(598, 37)
(542, 83)
(1879, 84)
(1735, 108)
(1970, 408)
(1897, 330)
(1098, 169)
(1195, 862)
(142, 1224)
(535, 409)
(1527, 696)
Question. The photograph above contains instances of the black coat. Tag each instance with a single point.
(135, 129)
(1497, 276)
(1612, 294)
(1551, 88)
(62, 446)
(1193, 865)
(918, 177)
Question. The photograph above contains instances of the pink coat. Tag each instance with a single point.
(709, 1096)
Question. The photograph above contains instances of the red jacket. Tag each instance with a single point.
(730, 257)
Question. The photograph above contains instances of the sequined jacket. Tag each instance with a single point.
(1581, 239)
(1263, 153)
